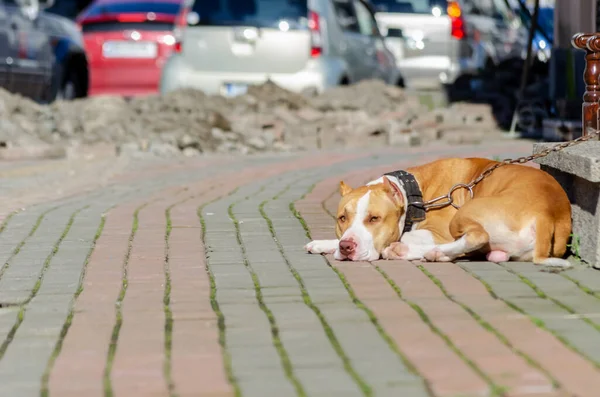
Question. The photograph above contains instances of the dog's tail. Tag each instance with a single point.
(551, 238)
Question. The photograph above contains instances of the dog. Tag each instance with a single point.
(515, 213)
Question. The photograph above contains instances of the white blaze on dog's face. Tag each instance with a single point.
(367, 220)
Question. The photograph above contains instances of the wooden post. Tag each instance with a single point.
(590, 43)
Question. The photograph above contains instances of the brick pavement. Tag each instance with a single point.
(189, 279)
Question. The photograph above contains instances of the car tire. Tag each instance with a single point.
(69, 87)
(69, 81)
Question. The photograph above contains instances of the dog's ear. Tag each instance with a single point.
(393, 191)
(344, 189)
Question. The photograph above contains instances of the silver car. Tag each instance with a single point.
(301, 45)
(437, 41)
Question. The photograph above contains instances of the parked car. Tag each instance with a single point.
(127, 43)
(41, 55)
(302, 45)
(437, 41)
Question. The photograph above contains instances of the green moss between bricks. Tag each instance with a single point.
(6, 220)
(582, 287)
(490, 328)
(285, 360)
(22, 242)
(112, 348)
(364, 387)
(37, 285)
(558, 303)
(215, 305)
(535, 320)
(67, 324)
(167, 366)
(496, 390)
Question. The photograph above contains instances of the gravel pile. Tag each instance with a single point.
(267, 118)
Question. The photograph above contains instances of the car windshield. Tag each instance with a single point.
(134, 7)
(435, 7)
(258, 13)
(546, 20)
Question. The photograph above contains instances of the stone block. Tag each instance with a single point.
(577, 169)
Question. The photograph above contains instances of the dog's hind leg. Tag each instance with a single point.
(467, 231)
(472, 239)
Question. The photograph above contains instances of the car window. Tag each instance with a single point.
(366, 23)
(346, 15)
(133, 8)
(502, 11)
(282, 14)
(435, 7)
(481, 7)
(469, 7)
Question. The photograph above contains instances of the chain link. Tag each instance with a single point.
(435, 203)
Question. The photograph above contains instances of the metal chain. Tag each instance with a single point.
(435, 203)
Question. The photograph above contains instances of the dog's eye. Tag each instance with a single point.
(342, 218)
(374, 219)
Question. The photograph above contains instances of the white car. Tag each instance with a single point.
(301, 45)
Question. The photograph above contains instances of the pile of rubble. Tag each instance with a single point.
(267, 118)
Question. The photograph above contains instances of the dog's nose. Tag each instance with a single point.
(347, 247)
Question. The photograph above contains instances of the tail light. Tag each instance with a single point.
(180, 24)
(456, 20)
(314, 26)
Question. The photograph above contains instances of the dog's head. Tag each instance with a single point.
(367, 220)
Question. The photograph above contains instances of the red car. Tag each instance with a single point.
(127, 42)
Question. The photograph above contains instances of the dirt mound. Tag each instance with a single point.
(267, 117)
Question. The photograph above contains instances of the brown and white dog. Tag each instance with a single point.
(516, 213)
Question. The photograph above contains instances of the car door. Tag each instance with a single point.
(31, 52)
(5, 47)
(479, 16)
(514, 35)
(354, 46)
(374, 59)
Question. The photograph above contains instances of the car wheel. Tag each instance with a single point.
(68, 90)
(68, 82)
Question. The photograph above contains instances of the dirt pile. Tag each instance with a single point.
(267, 118)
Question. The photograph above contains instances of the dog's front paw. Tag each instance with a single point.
(436, 255)
(322, 246)
(396, 250)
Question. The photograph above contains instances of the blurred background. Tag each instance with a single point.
(508, 58)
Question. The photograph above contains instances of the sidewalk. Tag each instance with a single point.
(191, 280)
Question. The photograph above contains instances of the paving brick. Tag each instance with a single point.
(331, 290)
(140, 356)
(578, 333)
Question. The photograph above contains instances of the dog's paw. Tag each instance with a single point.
(396, 250)
(322, 246)
(555, 263)
(436, 255)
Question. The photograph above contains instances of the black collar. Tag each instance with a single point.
(414, 208)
